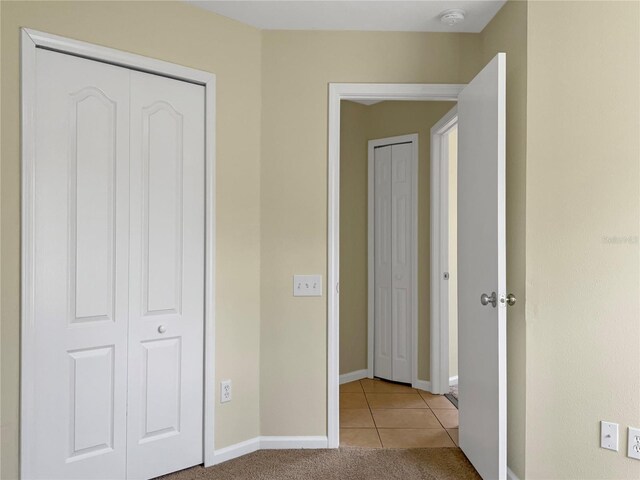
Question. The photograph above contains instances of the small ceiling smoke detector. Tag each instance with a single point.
(452, 17)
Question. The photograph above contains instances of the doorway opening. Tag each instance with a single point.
(384, 268)
(481, 255)
(385, 276)
(444, 238)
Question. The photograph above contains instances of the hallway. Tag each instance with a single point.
(379, 414)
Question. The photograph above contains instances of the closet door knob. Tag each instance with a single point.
(162, 329)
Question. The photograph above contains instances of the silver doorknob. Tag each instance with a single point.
(511, 299)
(488, 299)
(162, 329)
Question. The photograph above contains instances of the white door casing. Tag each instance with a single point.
(75, 192)
(481, 269)
(166, 276)
(393, 306)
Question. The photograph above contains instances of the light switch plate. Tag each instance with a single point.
(609, 435)
(307, 285)
(633, 443)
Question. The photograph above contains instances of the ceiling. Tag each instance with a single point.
(379, 15)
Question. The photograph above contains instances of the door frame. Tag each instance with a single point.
(337, 93)
(372, 144)
(30, 41)
(439, 299)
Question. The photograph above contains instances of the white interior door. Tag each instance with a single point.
(393, 261)
(166, 276)
(382, 361)
(80, 269)
(118, 272)
(402, 260)
(481, 269)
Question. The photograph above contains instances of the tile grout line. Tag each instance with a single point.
(372, 417)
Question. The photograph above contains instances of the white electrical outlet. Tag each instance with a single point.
(307, 285)
(225, 391)
(633, 443)
(609, 435)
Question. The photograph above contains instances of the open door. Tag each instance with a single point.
(482, 313)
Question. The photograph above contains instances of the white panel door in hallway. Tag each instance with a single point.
(393, 261)
(118, 272)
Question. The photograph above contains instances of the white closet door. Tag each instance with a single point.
(383, 345)
(166, 318)
(401, 256)
(393, 261)
(80, 269)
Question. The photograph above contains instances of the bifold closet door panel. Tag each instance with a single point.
(166, 320)
(77, 426)
(401, 259)
(383, 343)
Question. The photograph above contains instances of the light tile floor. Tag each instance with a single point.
(379, 414)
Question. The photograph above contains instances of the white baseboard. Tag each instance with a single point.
(235, 451)
(277, 443)
(453, 380)
(511, 475)
(267, 443)
(422, 385)
(353, 376)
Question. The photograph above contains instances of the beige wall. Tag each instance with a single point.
(382, 120)
(182, 34)
(582, 224)
(507, 32)
(297, 68)
(453, 252)
(353, 237)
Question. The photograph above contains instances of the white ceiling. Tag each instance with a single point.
(380, 15)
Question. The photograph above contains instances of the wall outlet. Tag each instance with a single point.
(225, 391)
(633, 443)
(307, 285)
(609, 435)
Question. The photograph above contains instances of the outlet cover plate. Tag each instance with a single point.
(633, 443)
(307, 285)
(225, 391)
(609, 435)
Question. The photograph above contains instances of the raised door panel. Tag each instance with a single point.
(383, 345)
(162, 136)
(402, 261)
(92, 398)
(166, 318)
(92, 205)
(75, 404)
(161, 380)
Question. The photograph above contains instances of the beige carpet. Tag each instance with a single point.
(339, 464)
